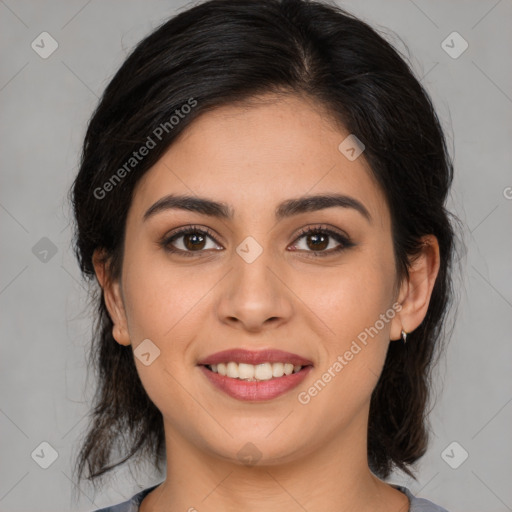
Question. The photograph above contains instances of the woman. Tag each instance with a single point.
(261, 199)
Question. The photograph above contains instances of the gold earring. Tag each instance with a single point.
(404, 336)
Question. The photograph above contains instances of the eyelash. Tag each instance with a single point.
(345, 242)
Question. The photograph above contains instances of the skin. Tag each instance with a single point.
(313, 456)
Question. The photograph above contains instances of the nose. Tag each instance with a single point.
(254, 295)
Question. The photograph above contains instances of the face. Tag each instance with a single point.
(256, 281)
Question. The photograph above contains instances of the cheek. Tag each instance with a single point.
(168, 305)
(160, 297)
(354, 304)
(347, 299)
(353, 354)
(165, 304)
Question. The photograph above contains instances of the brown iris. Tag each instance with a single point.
(318, 238)
(193, 241)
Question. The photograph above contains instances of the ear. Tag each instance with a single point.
(113, 298)
(416, 290)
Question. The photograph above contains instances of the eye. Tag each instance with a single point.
(193, 239)
(318, 239)
(188, 241)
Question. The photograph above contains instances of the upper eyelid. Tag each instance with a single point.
(329, 229)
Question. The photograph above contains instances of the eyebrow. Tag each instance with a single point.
(284, 210)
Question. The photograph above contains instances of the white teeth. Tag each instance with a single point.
(251, 372)
(245, 371)
(263, 371)
(277, 369)
(232, 370)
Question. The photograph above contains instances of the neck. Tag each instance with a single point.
(333, 476)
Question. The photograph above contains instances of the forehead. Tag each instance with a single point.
(254, 156)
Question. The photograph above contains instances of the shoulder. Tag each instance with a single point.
(132, 505)
(419, 504)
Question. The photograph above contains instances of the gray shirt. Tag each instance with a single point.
(417, 504)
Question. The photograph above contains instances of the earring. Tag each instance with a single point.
(404, 336)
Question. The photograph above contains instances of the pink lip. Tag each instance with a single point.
(240, 355)
(256, 390)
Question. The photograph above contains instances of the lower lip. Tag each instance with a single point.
(256, 391)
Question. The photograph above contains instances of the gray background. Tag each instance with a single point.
(45, 328)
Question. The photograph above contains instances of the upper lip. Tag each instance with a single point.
(240, 355)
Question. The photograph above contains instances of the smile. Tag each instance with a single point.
(255, 375)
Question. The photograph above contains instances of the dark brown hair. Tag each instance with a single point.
(225, 51)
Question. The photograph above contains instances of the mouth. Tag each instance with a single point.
(255, 376)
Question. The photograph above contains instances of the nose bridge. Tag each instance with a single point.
(251, 270)
(253, 293)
